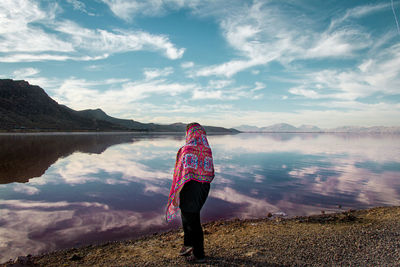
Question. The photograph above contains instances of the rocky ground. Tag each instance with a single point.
(353, 238)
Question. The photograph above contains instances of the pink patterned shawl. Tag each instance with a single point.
(193, 162)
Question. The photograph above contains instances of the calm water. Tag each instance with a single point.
(60, 191)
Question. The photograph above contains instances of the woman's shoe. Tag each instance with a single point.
(185, 250)
(193, 259)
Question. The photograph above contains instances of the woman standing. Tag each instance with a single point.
(193, 173)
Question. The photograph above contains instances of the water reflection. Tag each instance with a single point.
(37, 226)
(26, 156)
(93, 188)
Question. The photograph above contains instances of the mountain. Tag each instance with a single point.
(134, 125)
(309, 128)
(248, 128)
(25, 107)
(358, 129)
(98, 114)
(287, 128)
(280, 127)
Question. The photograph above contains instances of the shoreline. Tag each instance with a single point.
(355, 237)
(42, 131)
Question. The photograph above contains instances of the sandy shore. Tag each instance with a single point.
(353, 238)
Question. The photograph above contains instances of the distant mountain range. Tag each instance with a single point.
(25, 107)
(287, 128)
(280, 127)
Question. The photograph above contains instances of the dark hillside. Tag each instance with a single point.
(25, 106)
(98, 114)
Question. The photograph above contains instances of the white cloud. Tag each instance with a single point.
(221, 90)
(358, 12)
(366, 65)
(379, 73)
(27, 57)
(201, 94)
(188, 64)
(79, 5)
(259, 86)
(16, 18)
(140, 90)
(23, 20)
(218, 84)
(83, 94)
(95, 67)
(128, 9)
(341, 43)
(181, 112)
(24, 73)
(230, 68)
(155, 73)
(263, 32)
(304, 92)
(118, 41)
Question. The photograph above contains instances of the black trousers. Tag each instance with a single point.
(193, 233)
(192, 198)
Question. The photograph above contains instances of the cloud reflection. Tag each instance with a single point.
(248, 207)
(344, 177)
(26, 189)
(37, 152)
(38, 226)
(122, 190)
(333, 173)
(123, 162)
(362, 147)
(304, 173)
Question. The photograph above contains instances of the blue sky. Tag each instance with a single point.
(223, 63)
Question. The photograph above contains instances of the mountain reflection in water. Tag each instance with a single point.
(65, 190)
(26, 156)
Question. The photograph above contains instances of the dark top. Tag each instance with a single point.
(193, 195)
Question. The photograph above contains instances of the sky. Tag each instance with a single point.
(221, 63)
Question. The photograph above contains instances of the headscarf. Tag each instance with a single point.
(193, 162)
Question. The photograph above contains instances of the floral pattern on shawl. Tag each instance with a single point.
(193, 162)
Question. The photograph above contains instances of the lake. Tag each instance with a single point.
(65, 190)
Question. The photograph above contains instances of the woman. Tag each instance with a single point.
(193, 173)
